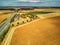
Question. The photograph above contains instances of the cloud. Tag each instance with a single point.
(24, 3)
(29, 0)
(37, 0)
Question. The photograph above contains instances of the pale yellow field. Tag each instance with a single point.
(46, 10)
(56, 12)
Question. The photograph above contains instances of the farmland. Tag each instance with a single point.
(45, 31)
(48, 21)
(41, 32)
(4, 14)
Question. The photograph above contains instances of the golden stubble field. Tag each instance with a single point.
(42, 32)
(3, 15)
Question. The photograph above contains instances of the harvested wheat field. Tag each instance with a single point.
(4, 14)
(41, 32)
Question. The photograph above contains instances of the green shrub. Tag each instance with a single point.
(1, 38)
(23, 22)
(12, 25)
(23, 16)
(3, 35)
(18, 23)
(40, 12)
(37, 12)
(12, 20)
(27, 20)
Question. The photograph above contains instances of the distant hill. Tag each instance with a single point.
(23, 7)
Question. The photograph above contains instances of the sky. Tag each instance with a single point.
(28, 0)
(18, 2)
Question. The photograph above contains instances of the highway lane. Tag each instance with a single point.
(6, 23)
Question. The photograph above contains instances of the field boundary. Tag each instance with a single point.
(11, 31)
(9, 35)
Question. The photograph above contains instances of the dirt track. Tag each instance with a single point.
(42, 32)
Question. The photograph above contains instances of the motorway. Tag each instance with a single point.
(4, 26)
(8, 38)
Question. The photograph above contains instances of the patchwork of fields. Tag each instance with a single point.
(46, 31)
(42, 32)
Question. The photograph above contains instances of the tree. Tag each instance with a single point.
(12, 24)
(22, 22)
(17, 23)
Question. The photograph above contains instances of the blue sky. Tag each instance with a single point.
(17, 2)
